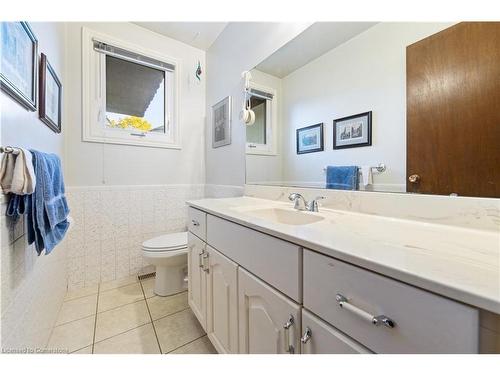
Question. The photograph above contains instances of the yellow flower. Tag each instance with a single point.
(131, 122)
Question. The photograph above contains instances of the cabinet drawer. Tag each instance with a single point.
(275, 261)
(324, 339)
(424, 322)
(197, 223)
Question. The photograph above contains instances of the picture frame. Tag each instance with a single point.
(19, 63)
(221, 123)
(310, 139)
(353, 131)
(50, 108)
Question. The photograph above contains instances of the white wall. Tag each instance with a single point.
(122, 195)
(90, 164)
(32, 286)
(367, 73)
(241, 46)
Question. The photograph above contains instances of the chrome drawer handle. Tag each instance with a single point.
(307, 336)
(200, 259)
(375, 320)
(286, 328)
(205, 268)
(195, 223)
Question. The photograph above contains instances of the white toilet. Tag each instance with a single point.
(168, 253)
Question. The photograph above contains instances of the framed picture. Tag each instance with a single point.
(18, 63)
(221, 123)
(353, 131)
(50, 95)
(310, 139)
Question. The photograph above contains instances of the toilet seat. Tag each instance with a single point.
(172, 242)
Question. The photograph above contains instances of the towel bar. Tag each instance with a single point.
(379, 168)
(9, 150)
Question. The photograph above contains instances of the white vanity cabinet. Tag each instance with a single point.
(222, 301)
(256, 293)
(197, 283)
(269, 322)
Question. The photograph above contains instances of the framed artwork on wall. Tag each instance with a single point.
(18, 63)
(310, 139)
(50, 96)
(221, 123)
(353, 131)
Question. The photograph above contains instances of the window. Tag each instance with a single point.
(129, 94)
(261, 136)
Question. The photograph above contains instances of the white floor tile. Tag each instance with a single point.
(77, 309)
(121, 319)
(140, 340)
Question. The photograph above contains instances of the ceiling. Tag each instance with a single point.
(313, 42)
(197, 34)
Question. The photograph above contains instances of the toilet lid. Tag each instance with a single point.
(171, 241)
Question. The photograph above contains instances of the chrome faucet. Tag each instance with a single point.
(307, 206)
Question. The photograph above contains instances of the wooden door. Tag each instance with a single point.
(453, 111)
(322, 338)
(197, 291)
(222, 302)
(263, 314)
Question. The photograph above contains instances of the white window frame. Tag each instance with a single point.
(270, 148)
(94, 97)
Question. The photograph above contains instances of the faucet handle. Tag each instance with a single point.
(319, 197)
(313, 204)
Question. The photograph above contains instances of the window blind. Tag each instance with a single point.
(131, 56)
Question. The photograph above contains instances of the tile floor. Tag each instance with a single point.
(125, 316)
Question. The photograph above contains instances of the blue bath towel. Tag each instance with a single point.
(46, 209)
(342, 178)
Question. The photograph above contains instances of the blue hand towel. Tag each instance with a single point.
(16, 207)
(342, 178)
(46, 209)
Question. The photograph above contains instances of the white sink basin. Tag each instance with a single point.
(282, 216)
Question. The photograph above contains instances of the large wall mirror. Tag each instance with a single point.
(394, 107)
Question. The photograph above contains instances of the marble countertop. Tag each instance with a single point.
(459, 263)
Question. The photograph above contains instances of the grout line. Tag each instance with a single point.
(120, 333)
(125, 304)
(83, 347)
(151, 317)
(95, 321)
(74, 320)
(84, 296)
(186, 344)
(170, 295)
(121, 286)
(172, 313)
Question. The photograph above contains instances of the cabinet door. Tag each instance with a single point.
(197, 291)
(222, 302)
(321, 338)
(263, 315)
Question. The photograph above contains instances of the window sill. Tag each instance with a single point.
(132, 142)
(261, 152)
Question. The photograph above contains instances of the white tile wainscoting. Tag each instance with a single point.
(32, 288)
(111, 222)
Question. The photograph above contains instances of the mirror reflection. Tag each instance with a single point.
(352, 106)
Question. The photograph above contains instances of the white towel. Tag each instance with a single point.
(7, 171)
(17, 175)
(366, 172)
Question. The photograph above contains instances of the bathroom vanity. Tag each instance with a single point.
(265, 278)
